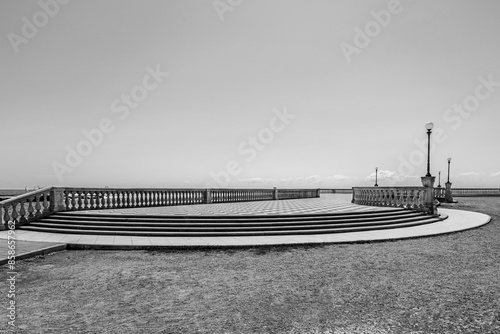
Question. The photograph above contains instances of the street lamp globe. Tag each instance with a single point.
(429, 125)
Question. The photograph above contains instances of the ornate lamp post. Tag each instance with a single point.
(447, 194)
(428, 179)
(429, 126)
(439, 180)
(449, 160)
(376, 176)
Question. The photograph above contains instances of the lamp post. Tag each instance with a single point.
(428, 179)
(449, 160)
(439, 182)
(376, 176)
(447, 194)
(429, 126)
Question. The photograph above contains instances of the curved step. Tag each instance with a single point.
(258, 225)
(233, 233)
(258, 221)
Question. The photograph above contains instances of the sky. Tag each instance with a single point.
(248, 94)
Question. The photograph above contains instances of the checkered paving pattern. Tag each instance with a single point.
(327, 203)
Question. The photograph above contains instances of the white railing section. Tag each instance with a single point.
(440, 193)
(28, 207)
(464, 192)
(412, 198)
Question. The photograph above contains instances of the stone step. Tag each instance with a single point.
(246, 232)
(224, 225)
(222, 221)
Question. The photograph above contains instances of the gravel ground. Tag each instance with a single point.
(442, 284)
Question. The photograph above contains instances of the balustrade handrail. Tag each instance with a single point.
(25, 195)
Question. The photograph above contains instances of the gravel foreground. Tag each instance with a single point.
(442, 284)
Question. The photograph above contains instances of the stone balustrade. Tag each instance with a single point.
(27, 207)
(413, 198)
(472, 192)
(440, 193)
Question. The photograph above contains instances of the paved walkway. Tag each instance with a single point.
(26, 241)
(26, 248)
(327, 203)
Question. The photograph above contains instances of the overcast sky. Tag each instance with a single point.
(248, 93)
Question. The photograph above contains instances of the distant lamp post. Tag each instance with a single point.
(447, 194)
(449, 161)
(376, 176)
(429, 126)
(439, 180)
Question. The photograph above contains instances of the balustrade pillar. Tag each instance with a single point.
(57, 200)
(208, 196)
(447, 193)
(429, 200)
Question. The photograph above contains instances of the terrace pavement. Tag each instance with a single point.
(29, 243)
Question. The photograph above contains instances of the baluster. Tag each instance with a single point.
(22, 211)
(79, 199)
(38, 206)
(46, 204)
(125, 195)
(414, 199)
(73, 200)
(31, 210)
(14, 214)
(104, 199)
(401, 198)
(97, 199)
(131, 199)
(85, 200)
(6, 215)
(92, 199)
